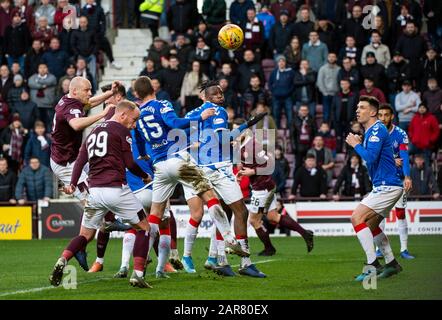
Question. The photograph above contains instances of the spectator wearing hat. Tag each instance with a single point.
(348, 71)
(397, 72)
(433, 96)
(157, 51)
(406, 104)
(27, 110)
(33, 58)
(380, 50)
(254, 34)
(34, 182)
(8, 180)
(281, 87)
(45, 10)
(281, 34)
(422, 176)
(182, 17)
(304, 26)
(15, 92)
(370, 90)
(423, 132)
(56, 59)
(215, 13)
(12, 142)
(16, 41)
(430, 67)
(238, 11)
(304, 85)
(315, 52)
(327, 83)
(6, 81)
(374, 70)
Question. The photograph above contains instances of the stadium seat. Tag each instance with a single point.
(267, 66)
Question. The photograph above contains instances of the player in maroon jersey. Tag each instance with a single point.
(263, 200)
(108, 151)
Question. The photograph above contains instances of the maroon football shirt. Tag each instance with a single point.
(66, 142)
(108, 150)
(258, 159)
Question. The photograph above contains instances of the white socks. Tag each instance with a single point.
(365, 238)
(163, 251)
(213, 249)
(381, 240)
(189, 239)
(128, 246)
(403, 233)
(219, 217)
(245, 261)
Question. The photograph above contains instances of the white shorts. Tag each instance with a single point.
(402, 202)
(120, 201)
(145, 197)
(262, 199)
(223, 181)
(64, 173)
(382, 199)
(170, 172)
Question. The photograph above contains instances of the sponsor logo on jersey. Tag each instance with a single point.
(218, 121)
(166, 109)
(75, 111)
(374, 139)
(129, 140)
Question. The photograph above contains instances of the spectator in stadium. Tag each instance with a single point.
(304, 26)
(246, 69)
(172, 80)
(8, 180)
(412, 46)
(126, 10)
(6, 82)
(34, 182)
(157, 50)
(333, 11)
(323, 155)
(254, 94)
(182, 17)
(83, 71)
(62, 89)
(215, 13)
(26, 13)
(292, 53)
(230, 97)
(355, 128)
(238, 11)
(202, 54)
(344, 105)
(380, 50)
(384, 30)
(304, 85)
(267, 20)
(16, 70)
(327, 83)
(406, 104)
(43, 32)
(397, 72)
(38, 145)
(84, 43)
(281, 172)
(45, 10)
(423, 132)
(431, 67)
(400, 24)
(69, 74)
(149, 70)
(350, 73)
(354, 27)
(327, 34)
(33, 58)
(370, 90)
(15, 92)
(6, 14)
(27, 110)
(278, 7)
(182, 49)
(4, 114)
(422, 176)
(189, 97)
(16, 41)
(315, 52)
(281, 34)
(311, 179)
(150, 15)
(432, 97)
(254, 34)
(160, 94)
(303, 132)
(355, 178)
(350, 51)
(11, 140)
(56, 59)
(267, 123)
(329, 139)
(42, 86)
(375, 71)
(281, 87)
(227, 72)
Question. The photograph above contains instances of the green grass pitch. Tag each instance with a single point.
(326, 273)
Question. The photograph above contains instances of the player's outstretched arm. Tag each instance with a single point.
(99, 99)
(79, 124)
(173, 121)
(133, 167)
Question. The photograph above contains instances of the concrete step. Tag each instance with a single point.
(123, 72)
(134, 33)
(127, 62)
(129, 52)
(133, 42)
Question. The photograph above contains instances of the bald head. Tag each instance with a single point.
(81, 89)
(126, 113)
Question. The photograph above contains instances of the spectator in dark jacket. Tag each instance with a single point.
(27, 110)
(6, 13)
(34, 182)
(26, 13)
(157, 51)
(215, 12)
(172, 80)
(246, 70)
(281, 34)
(12, 142)
(303, 28)
(355, 178)
(293, 53)
(349, 72)
(422, 176)
(182, 17)
(8, 180)
(350, 51)
(254, 93)
(16, 90)
(56, 59)
(84, 42)
(433, 96)
(281, 173)
(303, 132)
(238, 11)
(355, 27)
(311, 178)
(16, 40)
(397, 72)
(333, 11)
(150, 70)
(202, 54)
(160, 94)
(375, 71)
(33, 58)
(304, 85)
(6, 81)
(38, 145)
(182, 49)
(327, 34)
(281, 87)
(431, 67)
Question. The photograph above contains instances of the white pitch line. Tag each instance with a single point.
(257, 262)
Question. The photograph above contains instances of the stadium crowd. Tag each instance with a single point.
(306, 62)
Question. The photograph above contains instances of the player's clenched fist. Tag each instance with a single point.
(353, 139)
(70, 189)
(208, 113)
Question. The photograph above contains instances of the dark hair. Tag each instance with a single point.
(386, 106)
(375, 31)
(310, 156)
(423, 104)
(372, 101)
(120, 89)
(143, 87)
(420, 155)
(207, 84)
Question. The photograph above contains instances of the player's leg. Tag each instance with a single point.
(403, 226)
(255, 220)
(196, 207)
(126, 253)
(174, 258)
(211, 261)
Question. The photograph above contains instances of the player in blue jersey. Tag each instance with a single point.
(158, 126)
(376, 151)
(400, 150)
(215, 158)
